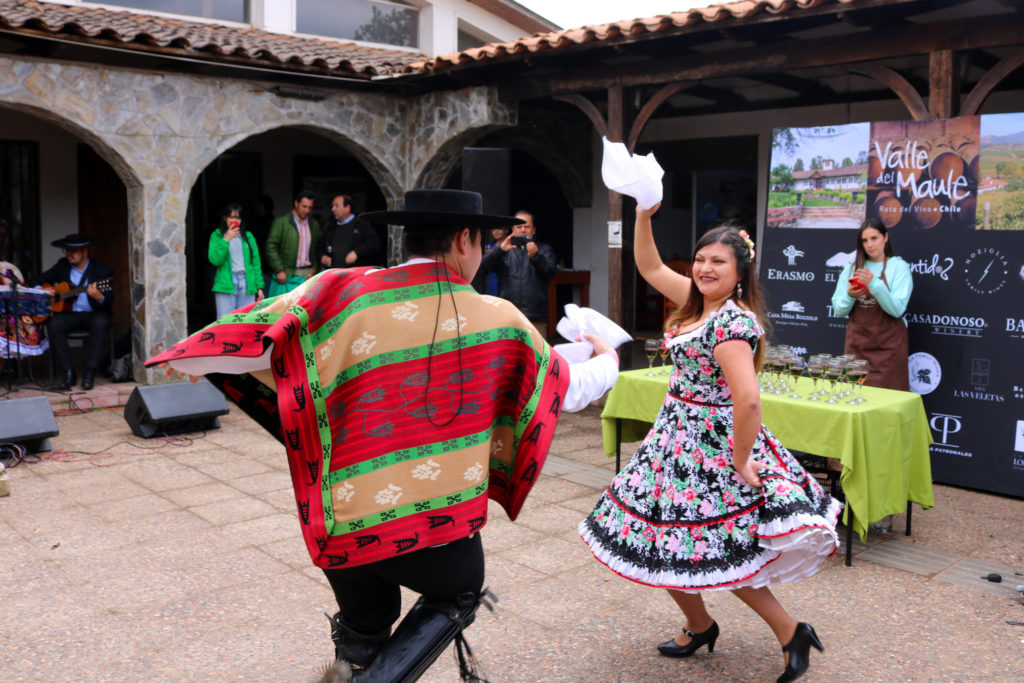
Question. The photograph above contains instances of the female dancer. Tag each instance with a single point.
(874, 289)
(711, 500)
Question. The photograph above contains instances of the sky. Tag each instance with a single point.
(576, 13)
(843, 141)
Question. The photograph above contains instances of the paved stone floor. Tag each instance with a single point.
(132, 560)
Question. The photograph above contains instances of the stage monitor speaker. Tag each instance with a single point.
(488, 170)
(174, 408)
(28, 422)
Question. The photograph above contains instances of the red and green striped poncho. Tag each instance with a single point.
(399, 416)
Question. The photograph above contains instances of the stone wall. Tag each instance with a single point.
(160, 130)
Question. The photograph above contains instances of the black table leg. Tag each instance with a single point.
(909, 508)
(849, 535)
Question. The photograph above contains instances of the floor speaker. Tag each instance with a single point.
(174, 409)
(28, 422)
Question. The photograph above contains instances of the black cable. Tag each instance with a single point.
(458, 344)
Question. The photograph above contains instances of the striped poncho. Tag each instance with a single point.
(401, 410)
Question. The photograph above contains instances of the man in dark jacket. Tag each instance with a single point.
(88, 311)
(348, 240)
(524, 267)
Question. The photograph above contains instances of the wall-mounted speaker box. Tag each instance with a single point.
(28, 422)
(174, 408)
(488, 170)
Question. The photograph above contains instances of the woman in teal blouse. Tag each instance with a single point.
(874, 290)
(238, 280)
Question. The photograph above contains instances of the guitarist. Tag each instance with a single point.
(90, 310)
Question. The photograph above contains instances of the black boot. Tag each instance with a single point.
(67, 381)
(358, 649)
(87, 378)
(422, 636)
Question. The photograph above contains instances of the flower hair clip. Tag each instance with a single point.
(749, 242)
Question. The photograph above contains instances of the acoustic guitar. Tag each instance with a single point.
(62, 295)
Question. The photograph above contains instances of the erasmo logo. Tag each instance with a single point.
(792, 254)
(950, 325)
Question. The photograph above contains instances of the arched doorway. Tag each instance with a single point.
(57, 181)
(536, 189)
(262, 173)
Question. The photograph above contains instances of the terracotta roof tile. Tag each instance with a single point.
(539, 42)
(143, 31)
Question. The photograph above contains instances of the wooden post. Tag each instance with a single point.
(615, 134)
(943, 85)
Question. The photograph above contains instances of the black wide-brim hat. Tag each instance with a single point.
(440, 208)
(75, 241)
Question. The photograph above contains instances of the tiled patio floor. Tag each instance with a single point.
(133, 560)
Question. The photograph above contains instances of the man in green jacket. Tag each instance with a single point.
(291, 245)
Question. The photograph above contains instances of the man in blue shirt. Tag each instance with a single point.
(89, 310)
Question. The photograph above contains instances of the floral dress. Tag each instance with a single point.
(679, 516)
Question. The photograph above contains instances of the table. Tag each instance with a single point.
(882, 443)
(565, 277)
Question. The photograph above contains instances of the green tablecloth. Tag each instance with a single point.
(882, 444)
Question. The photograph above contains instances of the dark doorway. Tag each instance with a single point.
(233, 177)
(708, 181)
(19, 205)
(329, 176)
(535, 189)
(103, 214)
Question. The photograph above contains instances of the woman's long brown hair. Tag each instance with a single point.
(692, 309)
(862, 255)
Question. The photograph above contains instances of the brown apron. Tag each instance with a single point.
(881, 339)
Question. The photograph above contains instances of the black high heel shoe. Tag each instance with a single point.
(799, 649)
(670, 648)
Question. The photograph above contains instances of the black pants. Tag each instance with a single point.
(370, 598)
(93, 322)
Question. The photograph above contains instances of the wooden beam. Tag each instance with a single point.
(804, 86)
(589, 109)
(898, 84)
(943, 84)
(966, 34)
(882, 93)
(648, 110)
(990, 80)
(616, 126)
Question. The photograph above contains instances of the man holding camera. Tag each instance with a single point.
(524, 267)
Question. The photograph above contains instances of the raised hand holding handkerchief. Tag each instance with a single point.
(635, 176)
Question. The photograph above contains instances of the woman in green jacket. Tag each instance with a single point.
(233, 252)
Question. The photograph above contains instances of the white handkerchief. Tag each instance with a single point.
(579, 320)
(637, 177)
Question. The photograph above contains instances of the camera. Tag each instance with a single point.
(521, 240)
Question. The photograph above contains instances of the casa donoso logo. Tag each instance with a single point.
(925, 373)
(950, 325)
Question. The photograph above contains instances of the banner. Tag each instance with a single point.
(951, 193)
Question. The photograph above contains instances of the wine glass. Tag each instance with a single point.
(858, 372)
(797, 365)
(815, 369)
(833, 370)
(651, 348)
(663, 349)
(844, 378)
